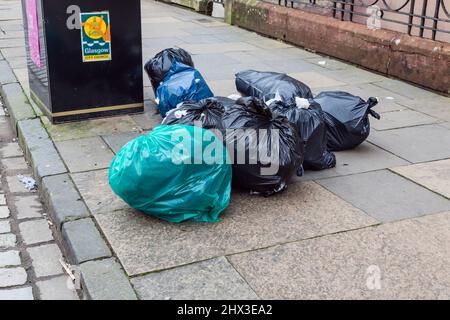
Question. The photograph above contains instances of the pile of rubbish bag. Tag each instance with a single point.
(175, 80)
(346, 118)
(158, 67)
(258, 141)
(310, 124)
(173, 179)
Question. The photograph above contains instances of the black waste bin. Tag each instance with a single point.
(84, 57)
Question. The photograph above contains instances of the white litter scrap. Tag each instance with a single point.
(302, 103)
(28, 182)
(274, 99)
(180, 113)
(67, 268)
(322, 62)
(234, 96)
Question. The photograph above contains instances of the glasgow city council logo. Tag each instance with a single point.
(96, 36)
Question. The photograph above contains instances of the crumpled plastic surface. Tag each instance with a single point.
(207, 112)
(252, 113)
(182, 83)
(150, 174)
(347, 118)
(310, 124)
(265, 85)
(158, 67)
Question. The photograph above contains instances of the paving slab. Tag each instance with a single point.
(150, 32)
(438, 106)
(214, 279)
(372, 90)
(206, 60)
(288, 66)
(28, 207)
(415, 144)
(4, 212)
(96, 192)
(6, 132)
(150, 118)
(218, 47)
(62, 199)
(14, 164)
(196, 39)
(85, 154)
(2, 199)
(386, 196)
(305, 210)
(276, 53)
(35, 231)
(406, 89)
(432, 175)
(223, 87)
(11, 43)
(5, 226)
(105, 280)
(15, 186)
(148, 95)
(18, 62)
(401, 119)
(329, 63)
(83, 241)
(9, 258)
(21, 75)
(118, 140)
(227, 71)
(14, 52)
(354, 76)
(10, 149)
(45, 260)
(7, 240)
(364, 158)
(39, 149)
(25, 293)
(316, 80)
(57, 289)
(6, 74)
(90, 128)
(266, 43)
(17, 102)
(12, 277)
(402, 260)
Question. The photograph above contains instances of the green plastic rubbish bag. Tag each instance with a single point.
(176, 173)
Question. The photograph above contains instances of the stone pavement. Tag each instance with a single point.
(29, 256)
(376, 226)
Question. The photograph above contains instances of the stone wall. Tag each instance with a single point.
(421, 61)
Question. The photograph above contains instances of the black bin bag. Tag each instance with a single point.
(283, 145)
(208, 113)
(311, 126)
(158, 67)
(268, 84)
(347, 118)
(226, 102)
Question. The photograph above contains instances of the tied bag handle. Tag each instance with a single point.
(372, 101)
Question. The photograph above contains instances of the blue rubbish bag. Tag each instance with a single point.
(176, 173)
(182, 83)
